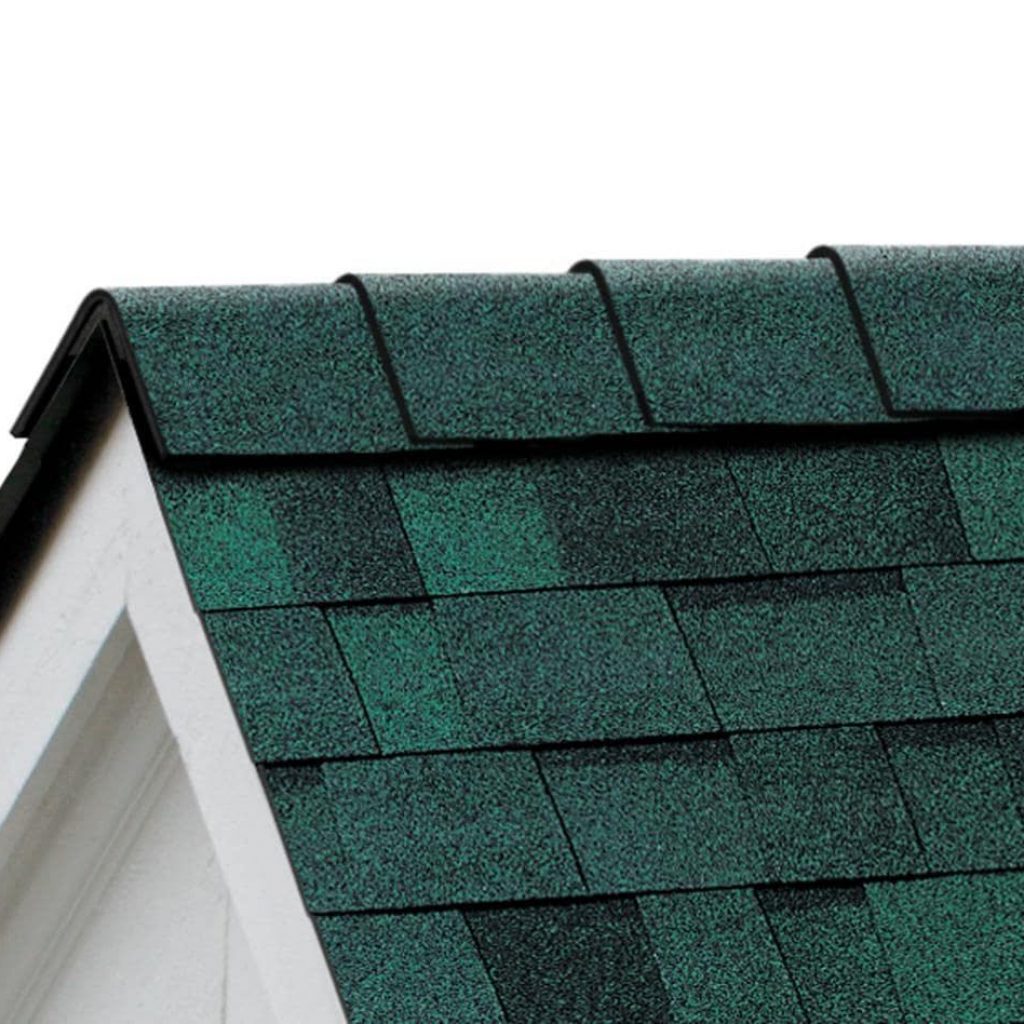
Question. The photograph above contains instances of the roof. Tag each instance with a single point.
(639, 644)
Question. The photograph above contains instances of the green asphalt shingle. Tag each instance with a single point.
(289, 685)
(987, 475)
(833, 954)
(959, 794)
(409, 967)
(572, 964)
(971, 619)
(655, 816)
(503, 356)
(956, 946)
(257, 537)
(397, 660)
(425, 831)
(807, 650)
(854, 505)
(583, 519)
(826, 804)
(738, 341)
(718, 959)
(946, 324)
(558, 666)
(261, 370)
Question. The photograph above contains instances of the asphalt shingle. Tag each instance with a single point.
(419, 831)
(409, 969)
(826, 804)
(580, 963)
(655, 816)
(830, 946)
(566, 665)
(807, 650)
(987, 475)
(582, 519)
(397, 659)
(718, 959)
(289, 685)
(294, 535)
(503, 356)
(946, 324)
(971, 618)
(957, 789)
(956, 945)
(261, 370)
(767, 341)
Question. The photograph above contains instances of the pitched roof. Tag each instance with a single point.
(637, 644)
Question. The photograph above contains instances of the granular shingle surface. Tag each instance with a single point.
(733, 341)
(503, 356)
(603, 638)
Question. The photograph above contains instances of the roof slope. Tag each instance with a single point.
(642, 644)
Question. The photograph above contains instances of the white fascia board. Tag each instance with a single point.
(110, 555)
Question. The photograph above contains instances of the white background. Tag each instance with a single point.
(185, 142)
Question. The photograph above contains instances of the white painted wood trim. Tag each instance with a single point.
(110, 560)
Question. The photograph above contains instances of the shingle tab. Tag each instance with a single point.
(409, 969)
(261, 370)
(972, 620)
(291, 690)
(579, 963)
(503, 356)
(850, 505)
(987, 474)
(767, 341)
(296, 535)
(419, 831)
(1010, 734)
(946, 324)
(956, 946)
(718, 960)
(833, 953)
(826, 804)
(396, 657)
(599, 518)
(655, 816)
(565, 665)
(958, 792)
(807, 650)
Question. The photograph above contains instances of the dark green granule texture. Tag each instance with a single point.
(833, 953)
(655, 816)
(826, 803)
(289, 685)
(504, 357)
(261, 370)
(305, 814)
(582, 963)
(563, 665)
(298, 535)
(444, 828)
(807, 650)
(946, 323)
(972, 620)
(718, 959)
(844, 505)
(956, 945)
(958, 791)
(590, 519)
(397, 660)
(743, 341)
(1010, 734)
(409, 969)
(987, 474)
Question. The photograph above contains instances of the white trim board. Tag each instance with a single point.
(107, 584)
